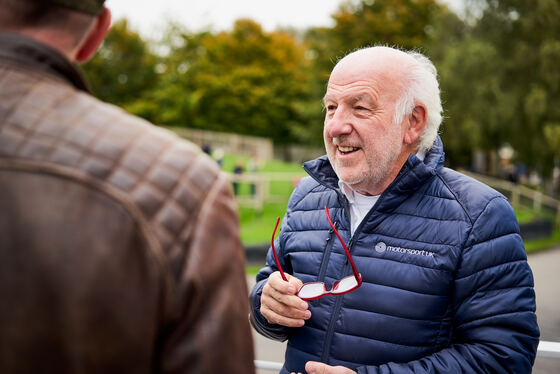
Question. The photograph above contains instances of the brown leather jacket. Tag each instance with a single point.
(119, 247)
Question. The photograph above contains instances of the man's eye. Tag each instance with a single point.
(331, 107)
(358, 107)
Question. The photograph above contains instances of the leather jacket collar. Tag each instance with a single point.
(24, 52)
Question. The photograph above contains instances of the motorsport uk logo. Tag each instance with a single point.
(382, 247)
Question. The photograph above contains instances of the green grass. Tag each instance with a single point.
(253, 269)
(532, 246)
(528, 214)
(525, 215)
(257, 228)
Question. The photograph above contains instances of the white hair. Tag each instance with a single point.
(421, 85)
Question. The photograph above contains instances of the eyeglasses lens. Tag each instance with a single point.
(317, 289)
(345, 284)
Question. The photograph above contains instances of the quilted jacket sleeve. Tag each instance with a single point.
(260, 324)
(495, 328)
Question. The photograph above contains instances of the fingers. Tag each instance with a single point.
(282, 314)
(314, 367)
(290, 287)
(280, 305)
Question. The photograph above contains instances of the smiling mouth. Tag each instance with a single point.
(346, 150)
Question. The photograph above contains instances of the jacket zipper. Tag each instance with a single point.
(326, 256)
(345, 204)
(350, 245)
(336, 311)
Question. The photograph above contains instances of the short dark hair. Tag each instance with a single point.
(18, 14)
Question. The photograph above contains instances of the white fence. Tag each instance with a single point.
(521, 195)
(261, 183)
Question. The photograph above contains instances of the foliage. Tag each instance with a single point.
(503, 81)
(402, 23)
(123, 70)
(497, 63)
(245, 81)
(532, 72)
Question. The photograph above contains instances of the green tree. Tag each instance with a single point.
(526, 37)
(476, 104)
(245, 81)
(402, 23)
(123, 70)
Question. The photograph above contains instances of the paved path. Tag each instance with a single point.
(546, 271)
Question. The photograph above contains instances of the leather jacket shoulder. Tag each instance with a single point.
(119, 239)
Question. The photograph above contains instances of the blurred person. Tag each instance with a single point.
(429, 274)
(119, 246)
(237, 170)
(206, 148)
(253, 168)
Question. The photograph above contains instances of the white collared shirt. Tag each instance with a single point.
(360, 204)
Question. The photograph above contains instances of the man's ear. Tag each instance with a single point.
(416, 123)
(95, 36)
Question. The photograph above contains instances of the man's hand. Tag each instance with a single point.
(313, 367)
(279, 303)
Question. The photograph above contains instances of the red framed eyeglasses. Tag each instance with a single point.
(315, 290)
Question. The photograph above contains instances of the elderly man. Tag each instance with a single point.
(119, 244)
(429, 274)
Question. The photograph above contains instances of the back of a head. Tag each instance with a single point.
(73, 17)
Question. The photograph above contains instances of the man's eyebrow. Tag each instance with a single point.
(358, 97)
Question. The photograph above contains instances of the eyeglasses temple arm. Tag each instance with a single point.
(274, 251)
(354, 270)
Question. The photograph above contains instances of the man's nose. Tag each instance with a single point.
(339, 124)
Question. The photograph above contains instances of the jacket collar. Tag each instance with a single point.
(411, 177)
(21, 51)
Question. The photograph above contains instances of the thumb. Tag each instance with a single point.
(295, 284)
(313, 367)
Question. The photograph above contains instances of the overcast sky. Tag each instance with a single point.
(150, 17)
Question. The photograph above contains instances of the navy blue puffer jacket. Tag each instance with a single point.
(446, 285)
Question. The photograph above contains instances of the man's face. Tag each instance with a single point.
(363, 144)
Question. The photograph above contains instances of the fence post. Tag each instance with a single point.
(515, 197)
(537, 200)
(259, 193)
